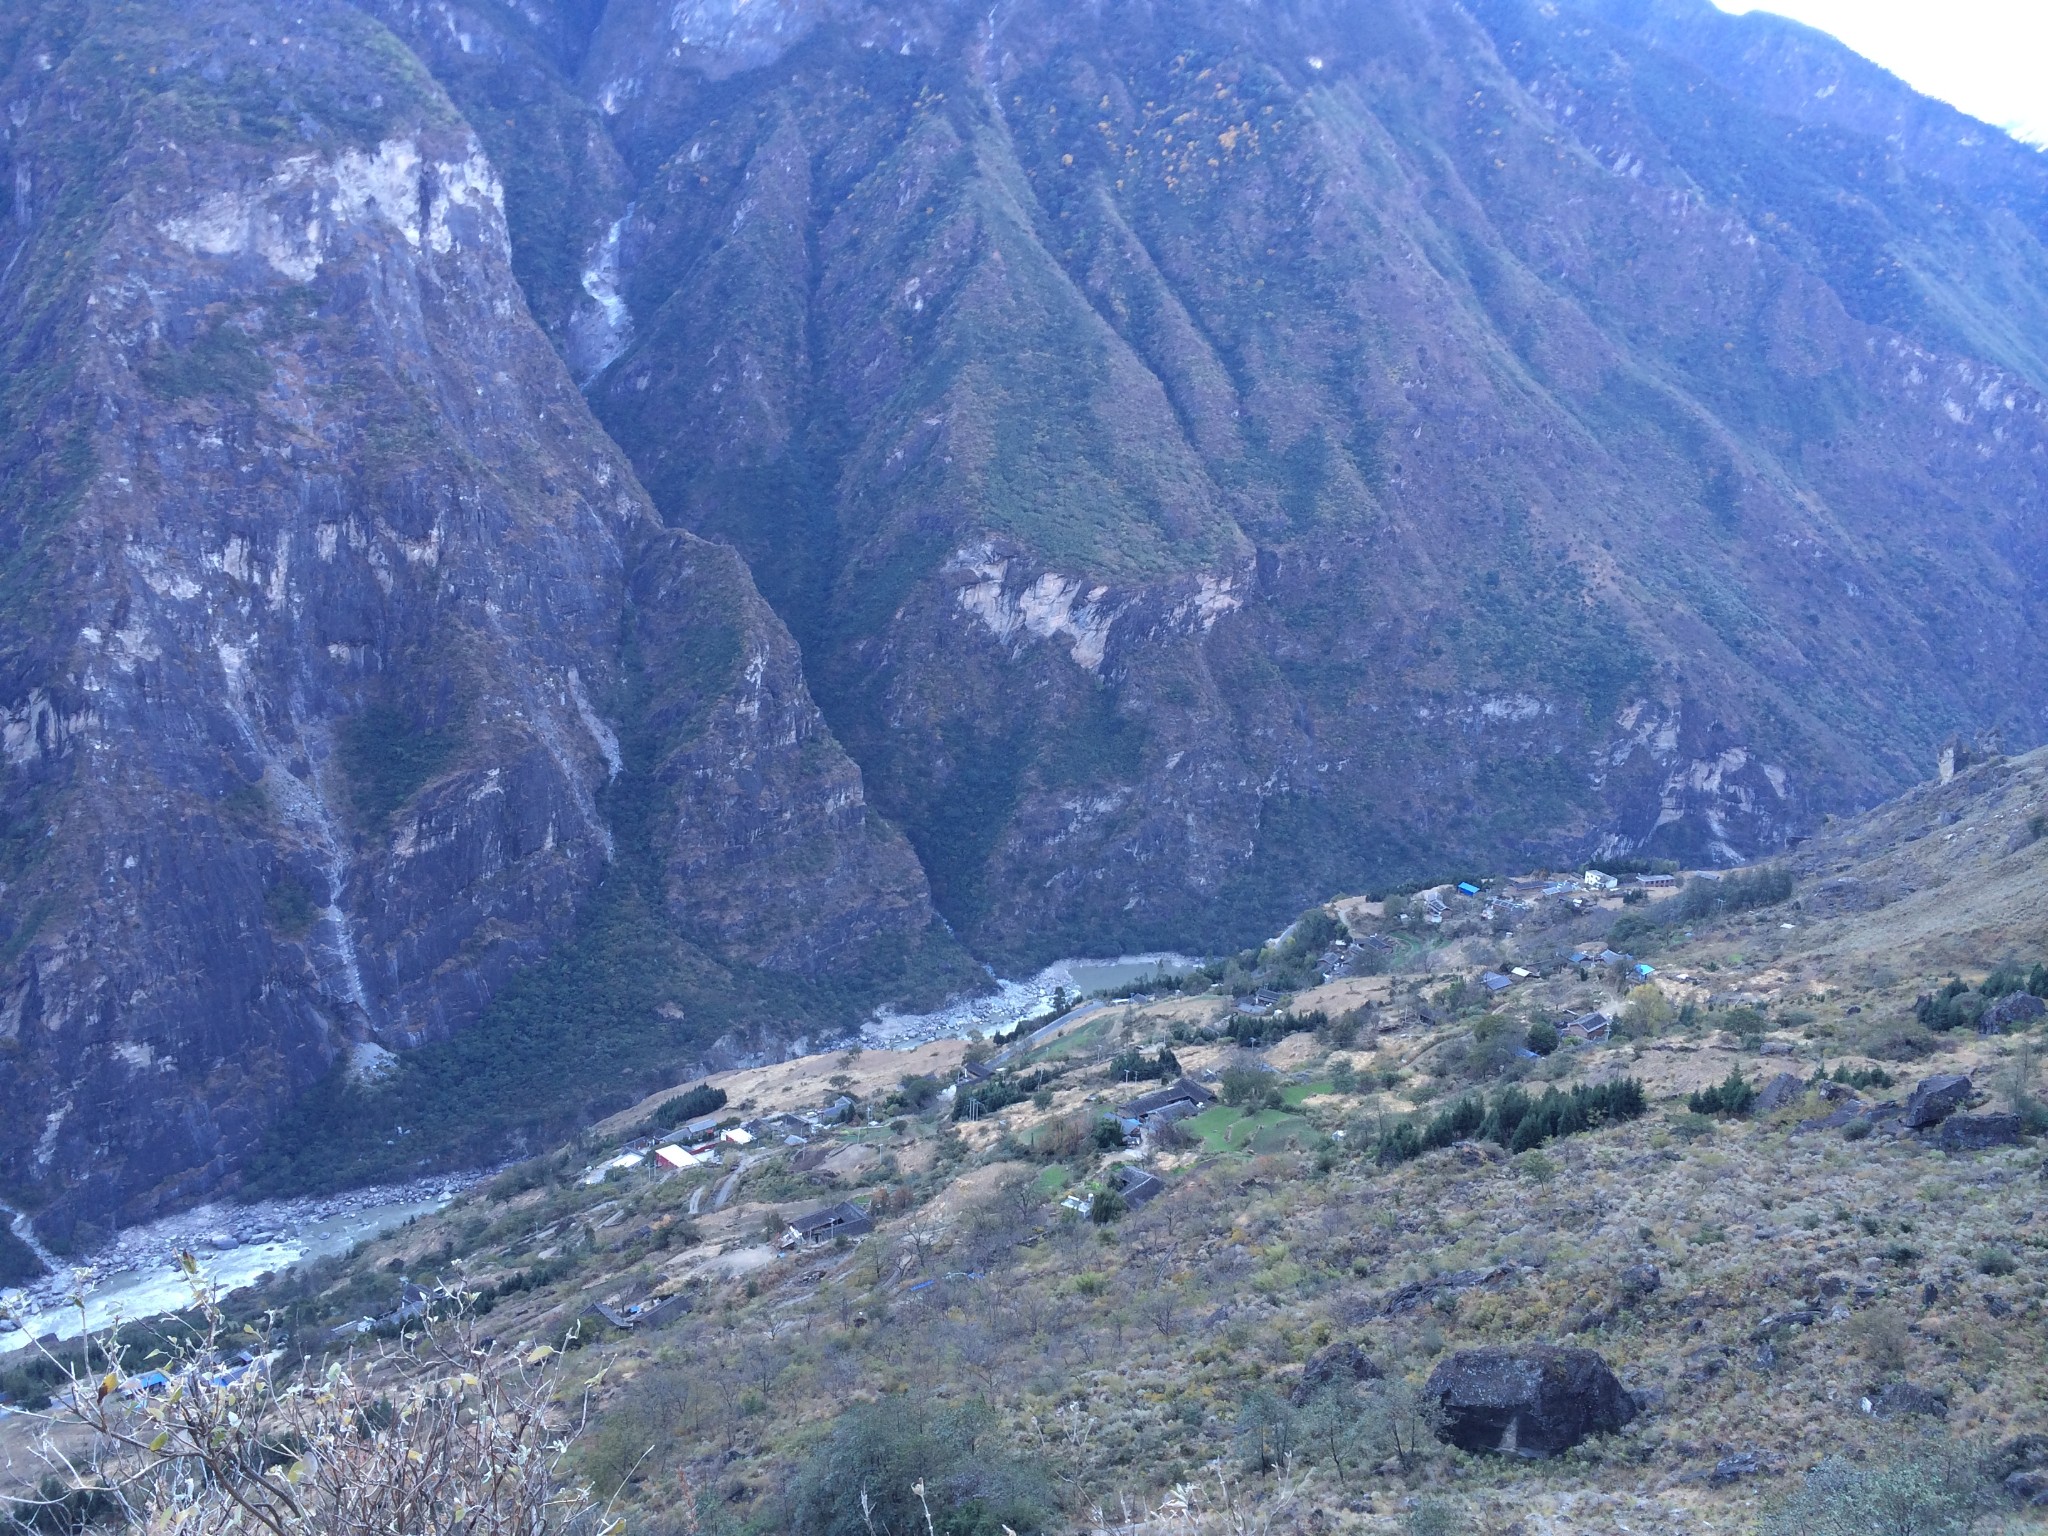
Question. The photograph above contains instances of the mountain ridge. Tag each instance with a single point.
(1109, 478)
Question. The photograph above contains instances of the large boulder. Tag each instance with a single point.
(1535, 1400)
(1973, 1133)
(1936, 1099)
(1338, 1364)
(1781, 1090)
(1904, 1400)
(2011, 1012)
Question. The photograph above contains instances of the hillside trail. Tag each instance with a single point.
(728, 1184)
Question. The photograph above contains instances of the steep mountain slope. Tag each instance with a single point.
(1214, 454)
(341, 656)
(1816, 1274)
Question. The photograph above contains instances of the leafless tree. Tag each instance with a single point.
(441, 1435)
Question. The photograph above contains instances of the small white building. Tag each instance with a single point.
(1600, 880)
(676, 1157)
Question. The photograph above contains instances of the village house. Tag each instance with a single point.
(1165, 1105)
(1136, 1185)
(828, 1225)
(1600, 880)
(1593, 1028)
(651, 1313)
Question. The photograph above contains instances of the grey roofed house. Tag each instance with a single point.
(1175, 1101)
(641, 1314)
(1494, 981)
(1587, 1026)
(1137, 1186)
(834, 1221)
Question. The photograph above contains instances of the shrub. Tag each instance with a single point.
(1134, 1066)
(1732, 1097)
(1106, 1207)
(1924, 1487)
(918, 1091)
(1742, 892)
(1266, 1430)
(1341, 1032)
(1247, 1087)
(862, 1477)
(1954, 1006)
(690, 1105)
(1993, 1260)
(1514, 1120)
(2003, 982)
(452, 1435)
(1434, 1517)
(1649, 1012)
(971, 1101)
(1542, 1038)
(289, 908)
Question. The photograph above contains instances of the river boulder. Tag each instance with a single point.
(1533, 1400)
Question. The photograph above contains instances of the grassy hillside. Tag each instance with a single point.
(1756, 1276)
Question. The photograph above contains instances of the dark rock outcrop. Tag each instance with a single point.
(1902, 1400)
(1977, 1133)
(2011, 1012)
(2028, 1487)
(1639, 1280)
(317, 685)
(1341, 1362)
(1127, 589)
(1780, 1091)
(1535, 1400)
(1935, 1099)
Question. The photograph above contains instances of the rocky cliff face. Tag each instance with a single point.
(1212, 456)
(328, 605)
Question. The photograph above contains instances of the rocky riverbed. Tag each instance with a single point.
(1015, 1000)
(137, 1274)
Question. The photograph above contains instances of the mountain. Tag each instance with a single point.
(346, 667)
(547, 542)
(1213, 454)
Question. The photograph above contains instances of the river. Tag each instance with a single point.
(137, 1274)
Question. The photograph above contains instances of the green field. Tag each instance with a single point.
(1295, 1094)
(1224, 1129)
(1083, 1037)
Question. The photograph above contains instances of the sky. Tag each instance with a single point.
(1988, 57)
